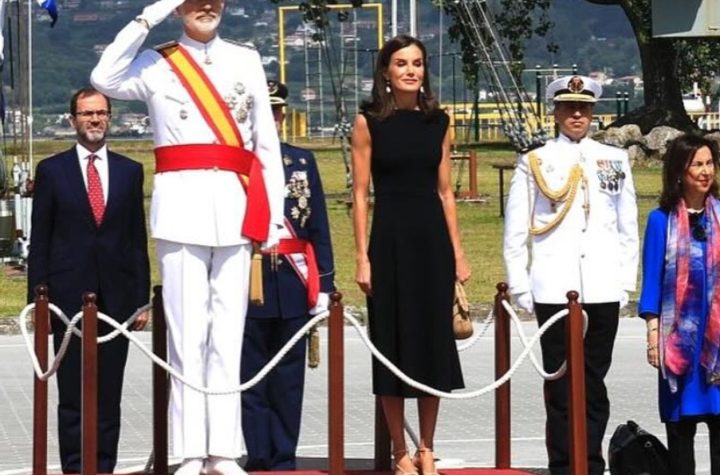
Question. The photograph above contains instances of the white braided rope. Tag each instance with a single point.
(478, 334)
(122, 329)
(523, 339)
(281, 353)
(71, 329)
(444, 394)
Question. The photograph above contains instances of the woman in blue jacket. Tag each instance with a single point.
(681, 265)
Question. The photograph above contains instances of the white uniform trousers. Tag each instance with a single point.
(205, 292)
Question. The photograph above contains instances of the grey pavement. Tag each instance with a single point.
(465, 432)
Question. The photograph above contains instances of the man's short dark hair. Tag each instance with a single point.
(84, 92)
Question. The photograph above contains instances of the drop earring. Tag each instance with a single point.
(422, 90)
(387, 87)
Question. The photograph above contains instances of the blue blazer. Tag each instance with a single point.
(72, 255)
(285, 294)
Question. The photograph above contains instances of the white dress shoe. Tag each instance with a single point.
(224, 466)
(190, 467)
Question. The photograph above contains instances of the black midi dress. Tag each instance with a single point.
(411, 257)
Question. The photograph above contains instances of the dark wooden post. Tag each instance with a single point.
(41, 322)
(576, 386)
(160, 386)
(336, 387)
(502, 366)
(89, 379)
(472, 169)
(382, 439)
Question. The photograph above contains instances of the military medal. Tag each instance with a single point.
(287, 161)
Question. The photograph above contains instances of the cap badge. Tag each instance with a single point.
(576, 85)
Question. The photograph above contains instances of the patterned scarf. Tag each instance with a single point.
(680, 315)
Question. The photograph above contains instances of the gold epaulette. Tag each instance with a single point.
(167, 44)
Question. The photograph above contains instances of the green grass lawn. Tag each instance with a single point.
(480, 223)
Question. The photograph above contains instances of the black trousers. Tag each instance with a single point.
(112, 357)
(681, 444)
(599, 341)
(271, 409)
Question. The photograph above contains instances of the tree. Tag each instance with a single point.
(668, 64)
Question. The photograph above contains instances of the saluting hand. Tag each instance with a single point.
(362, 275)
(155, 13)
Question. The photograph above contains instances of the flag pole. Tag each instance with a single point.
(30, 97)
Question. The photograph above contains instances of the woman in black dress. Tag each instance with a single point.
(409, 267)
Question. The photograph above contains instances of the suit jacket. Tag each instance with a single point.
(72, 255)
(305, 210)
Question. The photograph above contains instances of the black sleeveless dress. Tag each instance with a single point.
(411, 257)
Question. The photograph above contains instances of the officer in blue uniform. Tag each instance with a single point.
(296, 285)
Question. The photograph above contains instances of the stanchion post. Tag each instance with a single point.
(41, 322)
(382, 439)
(160, 386)
(502, 366)
(336, 387)
(472, 169)
(89, 378)
(576, 386)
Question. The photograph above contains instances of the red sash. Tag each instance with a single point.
(207, 156)
(301, 246)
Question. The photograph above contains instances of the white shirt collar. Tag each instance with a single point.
(562, 138)
(84, 153)
(188, 42)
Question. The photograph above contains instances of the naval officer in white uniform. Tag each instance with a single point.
(571, 224)
(200, 205)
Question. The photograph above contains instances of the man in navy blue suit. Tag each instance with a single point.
(88, 234)
(297, 279)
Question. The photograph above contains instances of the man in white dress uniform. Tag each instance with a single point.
(218, 189)
(571, 224)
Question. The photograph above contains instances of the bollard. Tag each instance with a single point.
(40, 388)
(502, 366)
(160, 386)
(577, 429)
(89, 386)
(336, 387)
(618, 104)
(626, 102)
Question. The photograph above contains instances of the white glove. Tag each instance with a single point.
(624, 298)
(322, 304)
(158, 11)
(525, 301)
(273, 238)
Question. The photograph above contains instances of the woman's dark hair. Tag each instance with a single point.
(382, 104)
(677, 159)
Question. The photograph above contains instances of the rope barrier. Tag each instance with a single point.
(122, 329)
(523, 339)
(485, 325)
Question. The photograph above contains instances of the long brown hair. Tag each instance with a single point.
(382, 104)
(676, 161)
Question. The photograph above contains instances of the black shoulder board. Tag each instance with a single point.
(167, 44)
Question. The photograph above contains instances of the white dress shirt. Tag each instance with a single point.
(101, 164)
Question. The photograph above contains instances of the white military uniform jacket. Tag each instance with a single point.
(596, 253)
(201, 207)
